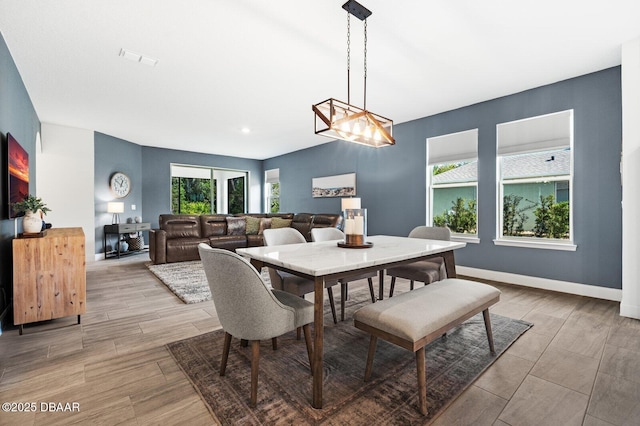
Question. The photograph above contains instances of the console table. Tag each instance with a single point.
(120, 229)
(49, 276)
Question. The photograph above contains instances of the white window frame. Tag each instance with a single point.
(452, 148)
(548, 143)
(270, 177)
(219, 175)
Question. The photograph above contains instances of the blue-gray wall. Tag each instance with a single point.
(115, 155)
(18, 117)
(392, 181)
(156, 177)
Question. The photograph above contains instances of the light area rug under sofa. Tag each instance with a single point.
(187, 279)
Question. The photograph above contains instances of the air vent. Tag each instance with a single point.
(136, 57)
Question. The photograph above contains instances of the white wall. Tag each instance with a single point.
(64, 179)
(630, 305)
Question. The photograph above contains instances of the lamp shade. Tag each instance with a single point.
(350, 203)
(115, 207)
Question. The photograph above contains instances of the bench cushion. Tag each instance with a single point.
(418, 313)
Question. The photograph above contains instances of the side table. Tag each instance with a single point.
(120, 229)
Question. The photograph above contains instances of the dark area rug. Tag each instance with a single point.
(284, 381)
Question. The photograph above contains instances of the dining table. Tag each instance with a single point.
(329, 261)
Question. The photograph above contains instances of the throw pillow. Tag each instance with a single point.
(265, 223)
(236, 225)
(278, 222)
(253, 225)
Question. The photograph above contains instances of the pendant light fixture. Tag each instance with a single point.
(341, 120)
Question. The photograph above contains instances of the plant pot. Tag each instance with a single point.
(32, 223)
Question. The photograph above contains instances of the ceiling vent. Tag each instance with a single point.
(136, 57)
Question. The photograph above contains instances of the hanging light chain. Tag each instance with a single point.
(348, 58)
(365, 64)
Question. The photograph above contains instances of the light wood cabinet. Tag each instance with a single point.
(49, 276)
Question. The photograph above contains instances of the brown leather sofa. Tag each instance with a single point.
(178, 235)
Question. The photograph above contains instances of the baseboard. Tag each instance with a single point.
(544, 283)
(630, 311)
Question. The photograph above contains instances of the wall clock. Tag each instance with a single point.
(120, 184)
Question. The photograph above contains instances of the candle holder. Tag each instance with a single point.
(355, 229)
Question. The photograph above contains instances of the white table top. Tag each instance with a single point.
(324, 258)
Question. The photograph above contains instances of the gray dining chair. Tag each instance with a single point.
(424, 271)
(249, 310)
(291, 283)
(334, 234)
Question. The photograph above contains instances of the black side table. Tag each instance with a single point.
(120, 229)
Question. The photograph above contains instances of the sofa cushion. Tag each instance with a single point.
(326, 221)
(228, 242)
(265, 223)
(182, 249)
(213, 225)
(277, 222)
(180, 225)
(236, 226)
(255, 240)
(302, 223)
(253, 225)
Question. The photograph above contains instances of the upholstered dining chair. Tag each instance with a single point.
(291, 283)
(248, 309)
(334, 234)
(424, 271)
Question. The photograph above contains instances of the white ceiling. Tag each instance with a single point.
(226, 64)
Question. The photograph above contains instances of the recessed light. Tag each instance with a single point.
(246, 130)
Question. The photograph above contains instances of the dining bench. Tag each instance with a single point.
(414, 319)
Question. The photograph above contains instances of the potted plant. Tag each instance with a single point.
(33, 208)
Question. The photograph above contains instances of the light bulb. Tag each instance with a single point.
(367, 133)
(356, 128)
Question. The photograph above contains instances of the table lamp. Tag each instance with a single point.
(116, 208)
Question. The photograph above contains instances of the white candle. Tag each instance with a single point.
(349, 226)
(358, 226)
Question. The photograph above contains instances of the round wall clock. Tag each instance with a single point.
(120, 184)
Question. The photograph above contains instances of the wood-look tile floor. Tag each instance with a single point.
(579, 364)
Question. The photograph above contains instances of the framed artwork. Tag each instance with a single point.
(18, 166)
(334, 186)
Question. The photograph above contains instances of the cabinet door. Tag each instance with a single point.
(49, 276)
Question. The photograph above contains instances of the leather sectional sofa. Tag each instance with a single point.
(178, 235)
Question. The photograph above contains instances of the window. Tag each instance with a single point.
(453, 182)
(235, 195)
(193, 190)
(535, 175)
(205, 190)
(272, 183)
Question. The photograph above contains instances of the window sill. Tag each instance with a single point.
(564, 246)
(472, 239)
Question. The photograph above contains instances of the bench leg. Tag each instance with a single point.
(370, 355)
(422, 381)
(487, 326)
